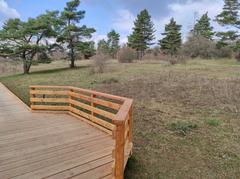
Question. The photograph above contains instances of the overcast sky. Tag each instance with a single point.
(105, 15)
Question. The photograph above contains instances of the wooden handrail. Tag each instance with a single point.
(123, 146)
(109, 113)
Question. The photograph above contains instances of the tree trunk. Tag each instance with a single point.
(72, 56)
(72, 64)
(140, 54)
(26, 67)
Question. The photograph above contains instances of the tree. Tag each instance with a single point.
(203, 27)
(143, 33)
(230, 14)
(229, 18)
(113, 43)
(102, 47)
(172, 40)
(87, 49)
(72, 35)
(24, 40)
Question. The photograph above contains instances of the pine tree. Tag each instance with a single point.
(71, 33)
(229, 17)
(172, 40)
(203, 27)
(143, 33)
(26, 40)
(113, 43)
(102, 47)
(230, 14)
(87, 49)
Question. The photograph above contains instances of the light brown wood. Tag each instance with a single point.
(47, 87)
(48, 92)
(127, 152)
(93, 118)
(84, 105)
(96, 101)
(119, 152)
(90, 108)
(121, 99)
(131, 125)
(50, 100)
(39, 145)
(45, 107)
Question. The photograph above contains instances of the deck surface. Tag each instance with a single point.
(40, 145)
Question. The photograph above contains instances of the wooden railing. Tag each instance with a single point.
(111, 114)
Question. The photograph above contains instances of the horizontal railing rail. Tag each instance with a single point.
(109, 113)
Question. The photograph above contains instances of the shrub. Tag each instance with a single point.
(126, 55)
(199, 47)
(173, 60)
(99, 63)
(224, 52)
(237, 57)
(43, 58)
(183, 127)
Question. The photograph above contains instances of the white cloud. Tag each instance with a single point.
(123, 21)
(6, 11)
(96, 37)
(183, 13)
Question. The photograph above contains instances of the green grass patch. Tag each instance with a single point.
(183, 127)
(213, 122)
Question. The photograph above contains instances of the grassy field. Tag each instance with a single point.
(186, 116)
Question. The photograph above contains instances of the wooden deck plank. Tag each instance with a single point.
(38, 145)
(42, 153)
(98, 172)
(66, 164)
(42, 143)
(56, 159)
(82, 168)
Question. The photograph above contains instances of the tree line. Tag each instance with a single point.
(54, 30)
(143, 31)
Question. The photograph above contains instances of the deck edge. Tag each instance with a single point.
(14, 95)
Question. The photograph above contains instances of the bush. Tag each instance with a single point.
(99, 63)
(173, 60)
(237, 57)
(126, 55)
(199, 47)
(43, 58)
(224, 52)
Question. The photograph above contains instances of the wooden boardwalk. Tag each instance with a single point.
(45, 145)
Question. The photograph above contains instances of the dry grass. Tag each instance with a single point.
(199, 99)
(208, 151)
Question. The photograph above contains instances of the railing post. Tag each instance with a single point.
(70, 97)
(31, 96)
(119, 151)
(92, 103)
(131, 125)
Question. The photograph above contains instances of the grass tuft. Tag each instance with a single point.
(110, 81)
(183, 127)
(213, 122)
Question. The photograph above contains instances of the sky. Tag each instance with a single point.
(105, 15)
